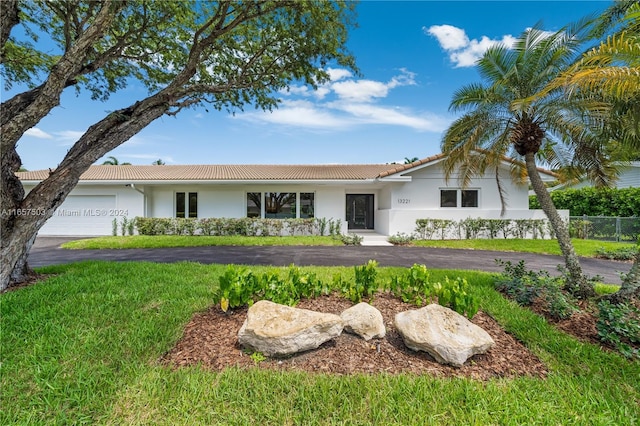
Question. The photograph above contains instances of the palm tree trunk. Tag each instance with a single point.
(576, 281)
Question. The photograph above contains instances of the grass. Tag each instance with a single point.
(81, 348)
(586, 248)
(157, 241)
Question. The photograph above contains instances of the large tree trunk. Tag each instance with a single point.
(630, 288)
(576, 281)
(26, 215)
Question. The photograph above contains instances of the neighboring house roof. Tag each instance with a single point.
(256, 172)
(629, 176)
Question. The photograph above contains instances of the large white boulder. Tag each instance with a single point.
(277, 330)
(446, 335)
(363, 320)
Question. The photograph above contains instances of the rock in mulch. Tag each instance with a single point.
(363, 320)
(444, 334)
(277, 330)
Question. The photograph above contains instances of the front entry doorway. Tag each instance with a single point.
(360, 211)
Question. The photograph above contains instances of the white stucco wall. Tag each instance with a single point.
(420, 199)
(423, 192)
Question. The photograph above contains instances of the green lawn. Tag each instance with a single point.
(156, 241)
(586, 248)
(81, 348)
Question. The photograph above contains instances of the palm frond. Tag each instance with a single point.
(495, 63)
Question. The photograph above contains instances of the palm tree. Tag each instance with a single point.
(611, 72)
(113, 161)
(504, 115)
(408, 160)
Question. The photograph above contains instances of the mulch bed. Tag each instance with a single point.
(210, 341)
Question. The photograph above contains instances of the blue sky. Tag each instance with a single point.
(412, 55)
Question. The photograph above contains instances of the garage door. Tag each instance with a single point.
(82, 215)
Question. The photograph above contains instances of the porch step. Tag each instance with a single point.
(372, 238)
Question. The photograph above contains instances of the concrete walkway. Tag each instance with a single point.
(371, 238)
(46, 251)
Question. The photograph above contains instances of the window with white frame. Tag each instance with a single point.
(459, 198)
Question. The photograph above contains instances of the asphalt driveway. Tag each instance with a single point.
(47, 251)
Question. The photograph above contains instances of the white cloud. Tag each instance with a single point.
(367, 90)
(336, 74)
(373, 114)
(296, 90)
(299, 114)
(38, 133)
(68, 137)
(350, 103)
(449, 37)
(464, 52)
(361, 90)
(406, 78)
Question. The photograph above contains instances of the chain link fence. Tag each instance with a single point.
(624, 229)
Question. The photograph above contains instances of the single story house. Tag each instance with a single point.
(386, 198)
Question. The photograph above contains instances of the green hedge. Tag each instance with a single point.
(470, 228)
(624, 202)
(236, 226)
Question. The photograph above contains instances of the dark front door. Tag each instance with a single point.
(360, 211)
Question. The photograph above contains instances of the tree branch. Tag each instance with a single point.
(8, 19)
(66, 68)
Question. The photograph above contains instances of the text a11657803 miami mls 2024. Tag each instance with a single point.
(90, 212)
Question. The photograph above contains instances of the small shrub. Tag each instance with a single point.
(472, 227)
(351, 239)
(619, 326)
(257, 357)
(415, 287)
(364, 284)
(307, 284)
(622, 253)
(114, 227)
(335, 227)
(272, 287)
(322, 225)
(131, 226)
(123, 226)
(237, 287)
(412, 287)
(526, 286)
(401, 239)
(425, 228)
(455, 294)
(560, 305)
(145, 225)
(206, 226)
(580, 229)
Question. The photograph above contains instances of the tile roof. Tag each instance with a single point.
(244, 172)
(223, 172)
